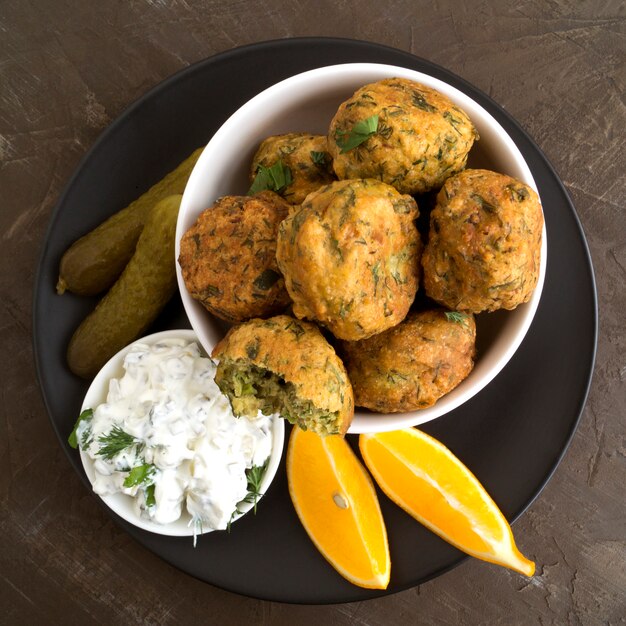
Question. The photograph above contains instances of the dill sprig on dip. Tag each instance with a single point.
(115, 442)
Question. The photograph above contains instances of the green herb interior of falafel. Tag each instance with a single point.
(251, 389)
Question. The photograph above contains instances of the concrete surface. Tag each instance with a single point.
(69, 67)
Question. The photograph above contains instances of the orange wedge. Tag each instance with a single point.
(424, 478)
(336, 502)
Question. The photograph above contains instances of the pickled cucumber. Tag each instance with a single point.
(136, 298)
(93, 262)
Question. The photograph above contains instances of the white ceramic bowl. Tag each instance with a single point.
(122, 504)
(306, 103)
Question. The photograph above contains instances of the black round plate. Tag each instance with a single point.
(511, 435)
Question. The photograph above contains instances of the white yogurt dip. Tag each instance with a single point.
(166, 436)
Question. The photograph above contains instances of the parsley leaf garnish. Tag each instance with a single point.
(274, 178)
(143, 475)
(319, 158)
(150, 499)
(360, 132)
(139, 475)
(87, 414)
(255, 476)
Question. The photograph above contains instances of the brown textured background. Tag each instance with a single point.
(69, 67)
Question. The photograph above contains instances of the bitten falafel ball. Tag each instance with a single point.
(412, 365)
(283, 365)
(228, 257)
(350, 257)
(304, 154)
(418, 139)
(484, 246)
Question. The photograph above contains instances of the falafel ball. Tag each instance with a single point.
(228, 257)
(412, 365)
(420, 137)
(304, 154)
(350, 257)
(282, 365)
(484, 247)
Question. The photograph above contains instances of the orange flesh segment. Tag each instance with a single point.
(423, 477)
(336, 502)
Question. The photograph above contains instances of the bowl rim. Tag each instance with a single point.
(121, 504)
(365, 421)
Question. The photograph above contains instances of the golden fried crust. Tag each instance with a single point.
(306, 156)
(350, 257)
(412, 365)
(484, 247)
(422, 136)
(228, 257)
(297, 352)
